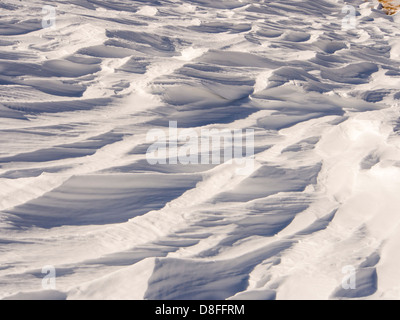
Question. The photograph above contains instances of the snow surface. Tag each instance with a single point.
(76, 191)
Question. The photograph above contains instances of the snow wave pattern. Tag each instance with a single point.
(77, 193)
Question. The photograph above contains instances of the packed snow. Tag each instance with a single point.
(84, 215)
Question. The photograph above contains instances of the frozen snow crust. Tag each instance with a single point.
(76, 191)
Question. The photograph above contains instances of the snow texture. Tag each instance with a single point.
(76, 192)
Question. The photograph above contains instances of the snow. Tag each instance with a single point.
(78, 100)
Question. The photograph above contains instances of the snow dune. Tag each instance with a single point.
(76, 190)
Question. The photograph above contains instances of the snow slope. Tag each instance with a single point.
(76, 191)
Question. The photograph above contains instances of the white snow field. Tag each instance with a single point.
(77, 193)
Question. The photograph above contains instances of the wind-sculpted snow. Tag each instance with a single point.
(77, 192)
